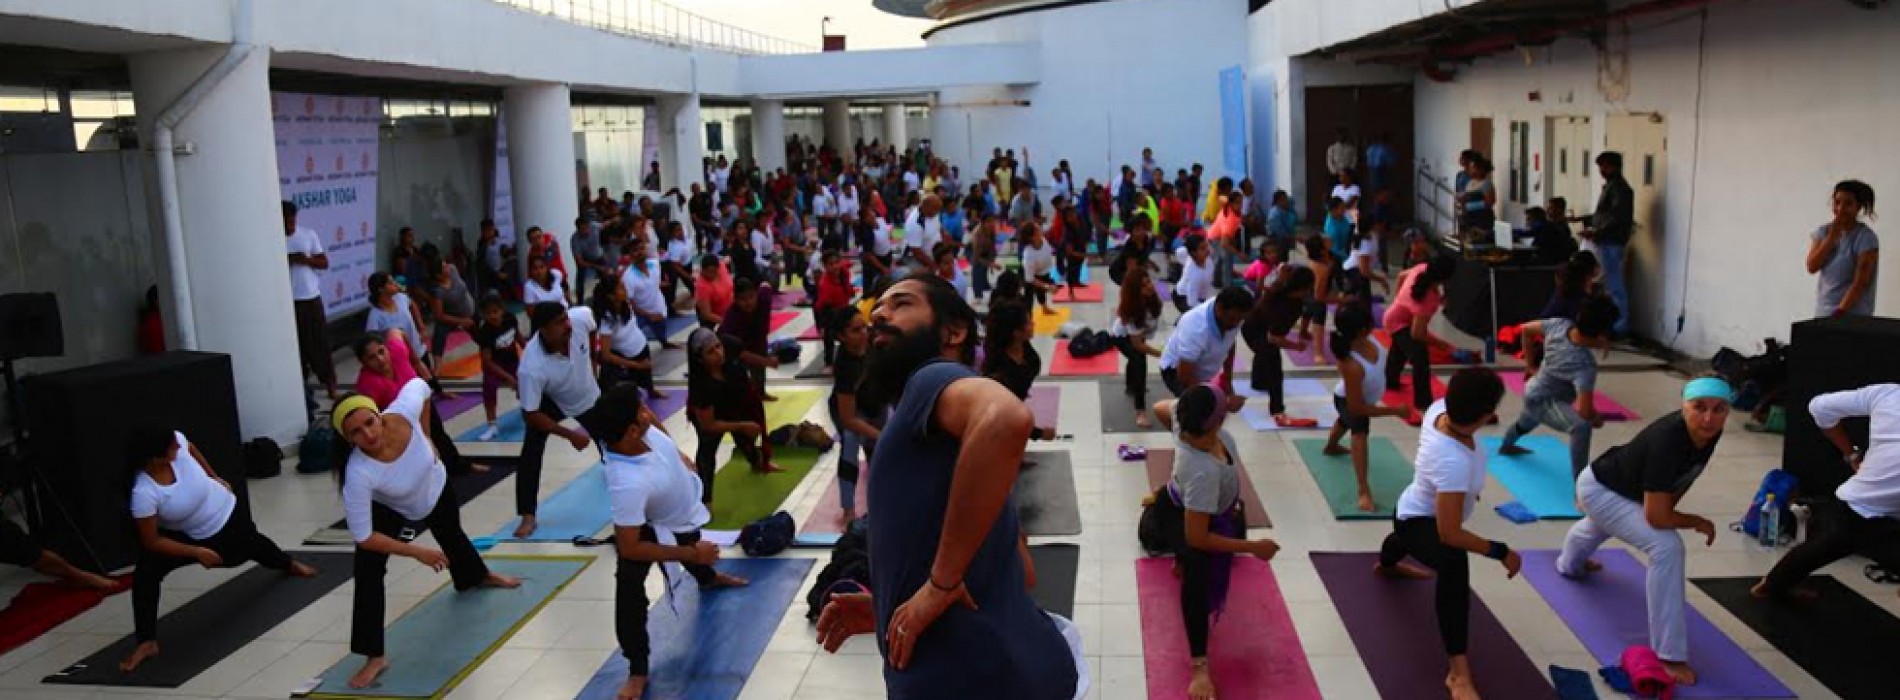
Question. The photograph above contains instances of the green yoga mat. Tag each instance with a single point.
(1387, 470)
(741, 496)
(790, 408)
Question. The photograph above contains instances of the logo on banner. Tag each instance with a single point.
(363, 231)
(339, 289)
(366, 161)
(310, 104)
(309, 165)
(339, 235)
(339, 162)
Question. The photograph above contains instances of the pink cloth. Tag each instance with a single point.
(1225, 226)
(384, 388)
(1647, 674)
(1399, 315)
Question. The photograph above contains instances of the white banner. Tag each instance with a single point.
(326, 164)
(501, 207)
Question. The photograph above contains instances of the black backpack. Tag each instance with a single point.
(317, 451)
(848, 571)
(1088, 343)
(768, 535)
(262, 459)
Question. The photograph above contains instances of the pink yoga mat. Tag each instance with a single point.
(1401, 395)
(787, 299)
(1090, 292)
(1062, 364)
(780, 318)
(1252, 648)
(1046, 403)
(1606, 406)
(828, 518)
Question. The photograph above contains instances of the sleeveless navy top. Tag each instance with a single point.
(1008, 648)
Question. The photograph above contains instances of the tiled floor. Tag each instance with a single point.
(554, 654)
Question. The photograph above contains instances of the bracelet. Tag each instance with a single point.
(946, 589)
(1498, 551)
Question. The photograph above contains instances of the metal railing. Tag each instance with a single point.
(660, 22)
(1431, 208)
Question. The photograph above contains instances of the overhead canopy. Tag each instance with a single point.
(1483, 29)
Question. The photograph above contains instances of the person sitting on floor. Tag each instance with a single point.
(17, 548)
(1866, 508)
(1561, 389)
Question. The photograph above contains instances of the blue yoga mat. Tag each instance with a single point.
(437, 643)
(510, 427)
(678, 324)
(1057, 274)
(1540, 480)
(579, 509)
(708, 649)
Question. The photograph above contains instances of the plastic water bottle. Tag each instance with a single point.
(1768, 532)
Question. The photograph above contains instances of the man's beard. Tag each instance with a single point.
(888, 367)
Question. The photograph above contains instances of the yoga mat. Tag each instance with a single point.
(1316, 354)
(787, 299)
(1540, 480)
(467, 487)
(790, 408)
(43, 605)
(457, 404)
(815, 369)
(1088, 293)
(707, 649)
(1253, 650)
(1056, 566)
(444, 638)
(1607, 613)
(1401, 395)
(214, 625)
(1305, 398)
(780, 318)
(1118, 410)
(1607, 407)
(1161, 466)
(1387, 471)
(666, 407)
(1841, 638)
(457, 340)
(828, 517)
(741, 496)
(1046, 403)
(811, 332)
(510, 426)
(1062, 364)
(666, 362)
(675, 325)
(579, 509)
(1045, 495)
(1393, 626)
(1051, 323)
(1440, 355)
(464, 367)
(1056, 274)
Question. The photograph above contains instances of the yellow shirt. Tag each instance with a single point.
(1002, 177)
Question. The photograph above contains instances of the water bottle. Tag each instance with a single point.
(1768, 532)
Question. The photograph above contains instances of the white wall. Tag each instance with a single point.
(890, 70)
(1116, 76)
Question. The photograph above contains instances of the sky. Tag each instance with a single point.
(865, 27)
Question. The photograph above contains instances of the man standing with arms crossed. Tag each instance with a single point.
(306, 293)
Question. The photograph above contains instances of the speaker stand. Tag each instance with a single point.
(36, 481)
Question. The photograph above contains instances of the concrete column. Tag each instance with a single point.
(238, 280)
(768, 134)
(682, 141)
(541, 164)
(838, 125)
(896, 130)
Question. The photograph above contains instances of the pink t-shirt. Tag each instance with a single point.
(384, 389)
(1399, 314)
(1260, 275)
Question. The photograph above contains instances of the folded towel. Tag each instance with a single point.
(1616, 678)
(1516, 512)
(1647, 674)
(1572, 684)
(1132, 453)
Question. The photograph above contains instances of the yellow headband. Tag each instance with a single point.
(348, 406)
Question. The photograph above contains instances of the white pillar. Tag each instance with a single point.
(896, 131)
(838, 125)
(682, 141)
(238, 279)
(768, 134)
(541, 164)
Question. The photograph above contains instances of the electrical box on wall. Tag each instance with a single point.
(1536, 96)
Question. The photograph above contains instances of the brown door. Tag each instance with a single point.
(1367, 113)
(1481, 135)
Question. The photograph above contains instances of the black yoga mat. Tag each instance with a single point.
(467, 487)
(1118, 410)
(1056, 566)
(214, 625)
(1841, 638)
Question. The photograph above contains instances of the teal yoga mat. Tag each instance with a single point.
(578, 509)
(1387, 471)
(510, 427)
(440, 641)
(707, 649)
(1540, 480)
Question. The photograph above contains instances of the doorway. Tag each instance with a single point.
(1481, 136)
(1368, 113)
(1567, 167)
(1643, 139)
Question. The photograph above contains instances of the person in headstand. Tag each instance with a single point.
(1429, 521)
(1202, 513)
(1561, 390)
(1632, 493)
(556, 381)
(1361, 361)
(657, 515)
(1866, 508)
(184, 514)
(392, 477)
(857, 430)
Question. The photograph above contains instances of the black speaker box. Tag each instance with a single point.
(1828, 355)
(78, 420)
(30, 327)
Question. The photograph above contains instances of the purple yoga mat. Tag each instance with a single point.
(674, 401)
(1046, 403)
(457, 403)
(1607, 613)
(787, 299)
(1392, 624)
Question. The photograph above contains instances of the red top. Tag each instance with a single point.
(717, 291)
(151, 335)
(833, 292)
(1176, 212)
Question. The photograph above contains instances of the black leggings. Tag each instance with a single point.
(1842, 532)
(1135, 377)
(445, 445)
(534, 448)
(706, 457)
(1194, 602)
(237, 543)
(630, 599)
(1269, 373)
(1405, 349)
(465, 565)
(612, 375)
(1418, 537)
(1038, 292)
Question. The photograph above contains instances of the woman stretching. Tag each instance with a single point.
(392, 478)
(628, 356)
(391, 309)
(856, 430)
(1039, 258)
(721, 399)
(1357, 398)
(499, 337)
(1267, 330)
(1408, 320)
(184, 515)
(1137, 318)
(387, 368)
(1321, 261)
(1632, 493)
(452, 307)
(1865, 513)
(1008, 357)
(1430, 521)
(544, 284)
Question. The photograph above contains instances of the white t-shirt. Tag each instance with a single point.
(720, 176)
(624, 337)
(1368, 250)
(1038, 260)
(193, 504)
(881, 239)
(679, 252)
(926, 235)
(1118, 328)
(824, 205)
(1346, 193)
(643, 289)
(762, 247)
(1444, 465)
(848, 205)
(655, 489)
(1197, 281)
(532, 293)
(304, 282)
(1874, 491)
(567, 378)
(410, 485)
(910, 181)
(1198, 339)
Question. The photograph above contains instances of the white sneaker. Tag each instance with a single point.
(490, 433)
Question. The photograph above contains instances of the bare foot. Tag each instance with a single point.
(477, 468)
(496, 580)
(301, 570)
(1760, 590)
(1680, 672)
(725, 581)
(140, 653)
(1334, 450)
(1461, 687)
(1512, 451)
(635, 687)
(1202, 686)
(769, 468)
(767, 397)
(1142, 421)
(657, 395)
(87, 579)
(526, 528)
(1366, 505)
(849, 515)
(372, 669)
(1401, 571)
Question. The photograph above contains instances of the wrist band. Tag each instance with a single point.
(946, 589)
(1498, 551)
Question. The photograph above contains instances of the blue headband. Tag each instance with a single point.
(1708, 388)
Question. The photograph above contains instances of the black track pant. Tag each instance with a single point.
(237, 543)
(465, 566)
(1418, 538)
(630, 599)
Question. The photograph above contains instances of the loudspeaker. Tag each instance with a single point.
(1828, 355)
(30, 327)
(78, 421)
